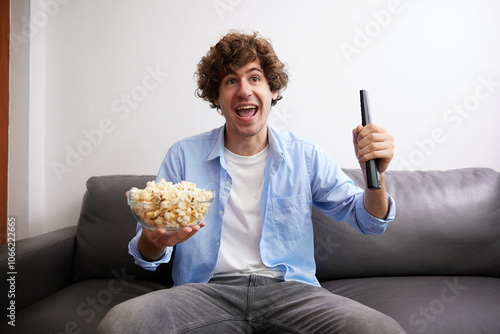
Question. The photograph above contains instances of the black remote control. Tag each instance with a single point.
(372, 175)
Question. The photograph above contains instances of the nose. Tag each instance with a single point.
(244, 89)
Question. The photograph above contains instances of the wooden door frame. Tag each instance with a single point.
(4, 113)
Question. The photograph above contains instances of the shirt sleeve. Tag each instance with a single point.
(133, 250)
(171, 168)
(369, 224)
(336, 195)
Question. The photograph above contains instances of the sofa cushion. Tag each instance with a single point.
(447, 223)
(49, 256)
(451, 304)
(78, 308)
(105, 227)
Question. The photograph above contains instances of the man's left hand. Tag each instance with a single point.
(373, 142)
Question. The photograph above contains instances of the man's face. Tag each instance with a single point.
(245, 100)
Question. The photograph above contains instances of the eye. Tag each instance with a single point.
(231, 81)
(255, 78)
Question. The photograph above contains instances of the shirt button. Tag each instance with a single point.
(218, 244)
(221, 212)
(227, 183)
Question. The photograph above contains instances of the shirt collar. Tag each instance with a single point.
(218, 149)
(274, 148)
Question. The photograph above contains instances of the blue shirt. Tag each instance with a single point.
(298, 174)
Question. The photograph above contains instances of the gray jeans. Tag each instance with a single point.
(246, 304)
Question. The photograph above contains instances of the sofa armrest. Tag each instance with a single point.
(43, 265)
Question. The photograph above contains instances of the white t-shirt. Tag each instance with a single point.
(239, 252)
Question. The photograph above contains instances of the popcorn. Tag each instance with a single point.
(169, 205)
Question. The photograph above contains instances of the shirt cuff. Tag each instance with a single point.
(133, 250)
(373, 225)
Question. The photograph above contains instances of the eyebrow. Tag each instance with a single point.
(255, 69)
(248, 71)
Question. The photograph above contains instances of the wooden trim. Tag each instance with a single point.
(4, 113)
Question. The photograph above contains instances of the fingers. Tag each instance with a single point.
(375, 146)
(373, 142)
(184, 234)
(161, 237)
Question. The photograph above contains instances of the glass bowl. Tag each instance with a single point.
(172, 215)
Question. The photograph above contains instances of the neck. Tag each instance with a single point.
(246, 146)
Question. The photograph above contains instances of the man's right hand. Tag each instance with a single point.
(152, 243)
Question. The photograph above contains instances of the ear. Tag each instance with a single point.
(216, 101)
(275, 95)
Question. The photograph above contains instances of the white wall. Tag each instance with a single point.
(119, 87)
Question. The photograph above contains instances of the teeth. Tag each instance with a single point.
(246, 110)
(245, 107)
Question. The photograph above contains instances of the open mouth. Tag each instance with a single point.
(246, 110)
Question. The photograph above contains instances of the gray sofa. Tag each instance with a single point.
(435, 270)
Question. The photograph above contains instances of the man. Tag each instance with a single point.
(250, 267)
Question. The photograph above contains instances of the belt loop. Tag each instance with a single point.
(253, 280)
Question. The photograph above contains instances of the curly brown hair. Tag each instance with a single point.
(232, 52)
